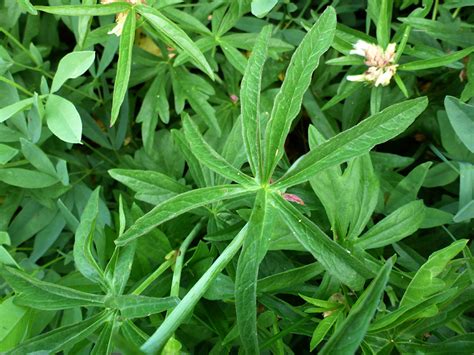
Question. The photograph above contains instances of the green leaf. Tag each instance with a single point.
(250, 102)
(121, 266)
(104, 344)
(83, 258)
(254, 249)
(289, 278)
(407, 189)
(399, 224)
(71, 66)
(56, 340)
(383, 23)
(355, 141)
(336, 260)
(209, 157)
(11, 110)
(261, 8)
(409, 312)
(459, 344)
(185, 307)
(15, 321)
(461, 116)
(46, 295)
(124, 65)
(323, 328)
(63, 119)
(176, 35)
(425, 282)
(436, 62)
(178, 205)
(297, 79)
(37, 157)
(26, 4)
(132, 306)
(145, 182)
(85, 10)
(7, 153)
(27, 179)
(348, 336)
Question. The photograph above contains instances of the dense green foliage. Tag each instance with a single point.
(214, 177)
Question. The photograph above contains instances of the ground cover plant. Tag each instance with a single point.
(216, 177)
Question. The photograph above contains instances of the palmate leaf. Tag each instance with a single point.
(250, 102)
(254, 249)
(350, 333)
(336, 260)
(354, 142)
(297, 79)
(178, 205)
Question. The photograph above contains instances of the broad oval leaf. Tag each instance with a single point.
(461, 116)
(10, 110)
(71, 66)
(355, 141)
(63, 119)
(27, 179)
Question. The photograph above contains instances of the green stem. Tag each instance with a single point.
(17, 43)
(182, 310)
(456, 12)
(15, 85)
(161, 269)
(435, 10)
(178, 267)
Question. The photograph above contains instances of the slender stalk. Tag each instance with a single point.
(182, 310)
(149, 280)
(435, 10)
(178, 267)
(15, 85)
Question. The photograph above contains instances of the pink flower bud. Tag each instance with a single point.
(293, 198)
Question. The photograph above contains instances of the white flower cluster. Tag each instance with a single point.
(380, 62)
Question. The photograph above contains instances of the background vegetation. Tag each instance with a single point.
(215, 177)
